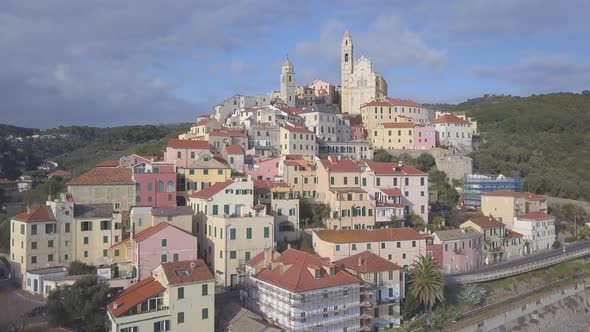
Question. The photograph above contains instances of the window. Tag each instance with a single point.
(232, 234)
(33, 245)
(337, 247)
(382, 245)
(180, 292)
(204, 290)
(164, 258)
(117, 253)
(354, 246)
(163, 325)
(50, 228)
(413, 244)
(105, 253)
(331, 180)
(404, 256)
(164, 242)
(356, 180)
(421, 181)
(33, 229)
(86, 226)
(368, 246)
(175, 257)
(346, 180)
(159, 186)
(86, 253)
(170, 186)
(407, 181)
(226, 209)
(378, 181)
(205, 313)
(33, 259)
(206, 172)
(50, 244)
(178, 154)
(180, 317)
(86, 240)
(266, 232)
(149, 186)
(50, 258)
(67, 227)
(249, 233)
(247, 256)
(105, 239)
(232, 254)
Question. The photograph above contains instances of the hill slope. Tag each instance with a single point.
(544, 138)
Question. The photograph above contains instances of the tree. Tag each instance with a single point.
(425, 162)
(472, 294)
(79, 268)
(80, 306)
(409, 307)
(320, 212)
(381, 155)
(426, 282)
(305, 246)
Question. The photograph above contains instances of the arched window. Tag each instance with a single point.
(170, 186)
(346, 57)
(160, 187)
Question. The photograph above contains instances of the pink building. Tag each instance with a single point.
(356, 133)
(184, 152)
(456, 250)
(411, 183)
(160, 244)
(424, 137)
(263, 168)
(155, 184)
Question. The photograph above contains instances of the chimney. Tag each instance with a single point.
(288, 245)
(115, 305)
(193, 265)
(463, 230)
(359, 261)
(267, 255)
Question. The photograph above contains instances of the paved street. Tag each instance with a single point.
(532, 258)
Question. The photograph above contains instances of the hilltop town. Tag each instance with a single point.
(290, 210)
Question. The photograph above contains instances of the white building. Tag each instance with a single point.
(179, 296)
(295, 139)
(453, 132)
(538, 228)
(327, 125)
(356, 150)
(359, 83)
(224, 109)
(298, 291)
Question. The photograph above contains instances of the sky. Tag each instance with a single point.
(109, 63)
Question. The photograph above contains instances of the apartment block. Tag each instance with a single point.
(155, 183)
(538, 229)
(296, 139)
(178, 296)
(142, 217)
(456, 250)
(505, 205)
(499, 242)
(110, 185)
(184, 152)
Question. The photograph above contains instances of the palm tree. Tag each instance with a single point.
(426, 282)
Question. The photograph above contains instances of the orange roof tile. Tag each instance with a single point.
(450, 118)
(367, 262)
(134, 295)
(152, 230)
(187, 272)
(536, 215)
(295, 275)
(332, 164)
(234, 149)
(399, 125)
(391, 191)
(187, 144)
(486, 222)
(104, 175)
(120, 243)
(368, 235)
(510, 234)
(390, 168)
(40, 214)
(212, 190)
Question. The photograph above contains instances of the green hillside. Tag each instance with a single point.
(544, 138)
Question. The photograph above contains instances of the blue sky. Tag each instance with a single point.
(139, 61)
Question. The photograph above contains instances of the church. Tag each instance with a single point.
(360, 84)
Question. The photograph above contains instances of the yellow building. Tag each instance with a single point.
(205, 172)
(300, 174)
(500, 243)
(393, 135)
(200, 130)
(339, 185)
(385, 110)
(505, 205)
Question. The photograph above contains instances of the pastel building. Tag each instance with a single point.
(155, 184)
(142, 217)
(387, 110)
(505, 205)
(382, 289)
(298, 291)
(401, 246)
(424, 137)
(356, 150)
(104, 185)
(301, 175)
(200, 130)
(219, 139)
(357, 133)
(453, 132)
(499, 243)
(538, 229)
(296, 139)
(264, 138)
(324, 92)
(236, 102)
(456, 250)
(184, 152)
(204, 172)
(263, 168)
(325, 123)
(160, 244)
(177, 296)
(411, 183)
(393, 135)
(339, 186)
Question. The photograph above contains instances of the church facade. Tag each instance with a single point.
(360, 84)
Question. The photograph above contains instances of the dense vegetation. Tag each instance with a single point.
(544, 138)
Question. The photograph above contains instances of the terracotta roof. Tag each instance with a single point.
(368, 235)
(486, 222)
(227, 133)
(268, 184)
(392, 102)
(6, 181)
(535, 215)
(399, 125)
(187, 144)
(290, 110)
(104, 176)
(259, 206)
(510, 234)
(185, 272)
(390, 168)
(134, 295)
(203, 122)
(108, 163)
(212, 190)
(344, 165)
(511, 193)
(294, 270)
(367, 262)
(234, 149)
(41, 213)
(152, 230)
(104, 210)
(120, 243)
(391, 191)
(450, 118)
(60, 172)
(297, 129)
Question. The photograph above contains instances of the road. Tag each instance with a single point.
(529, 259)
